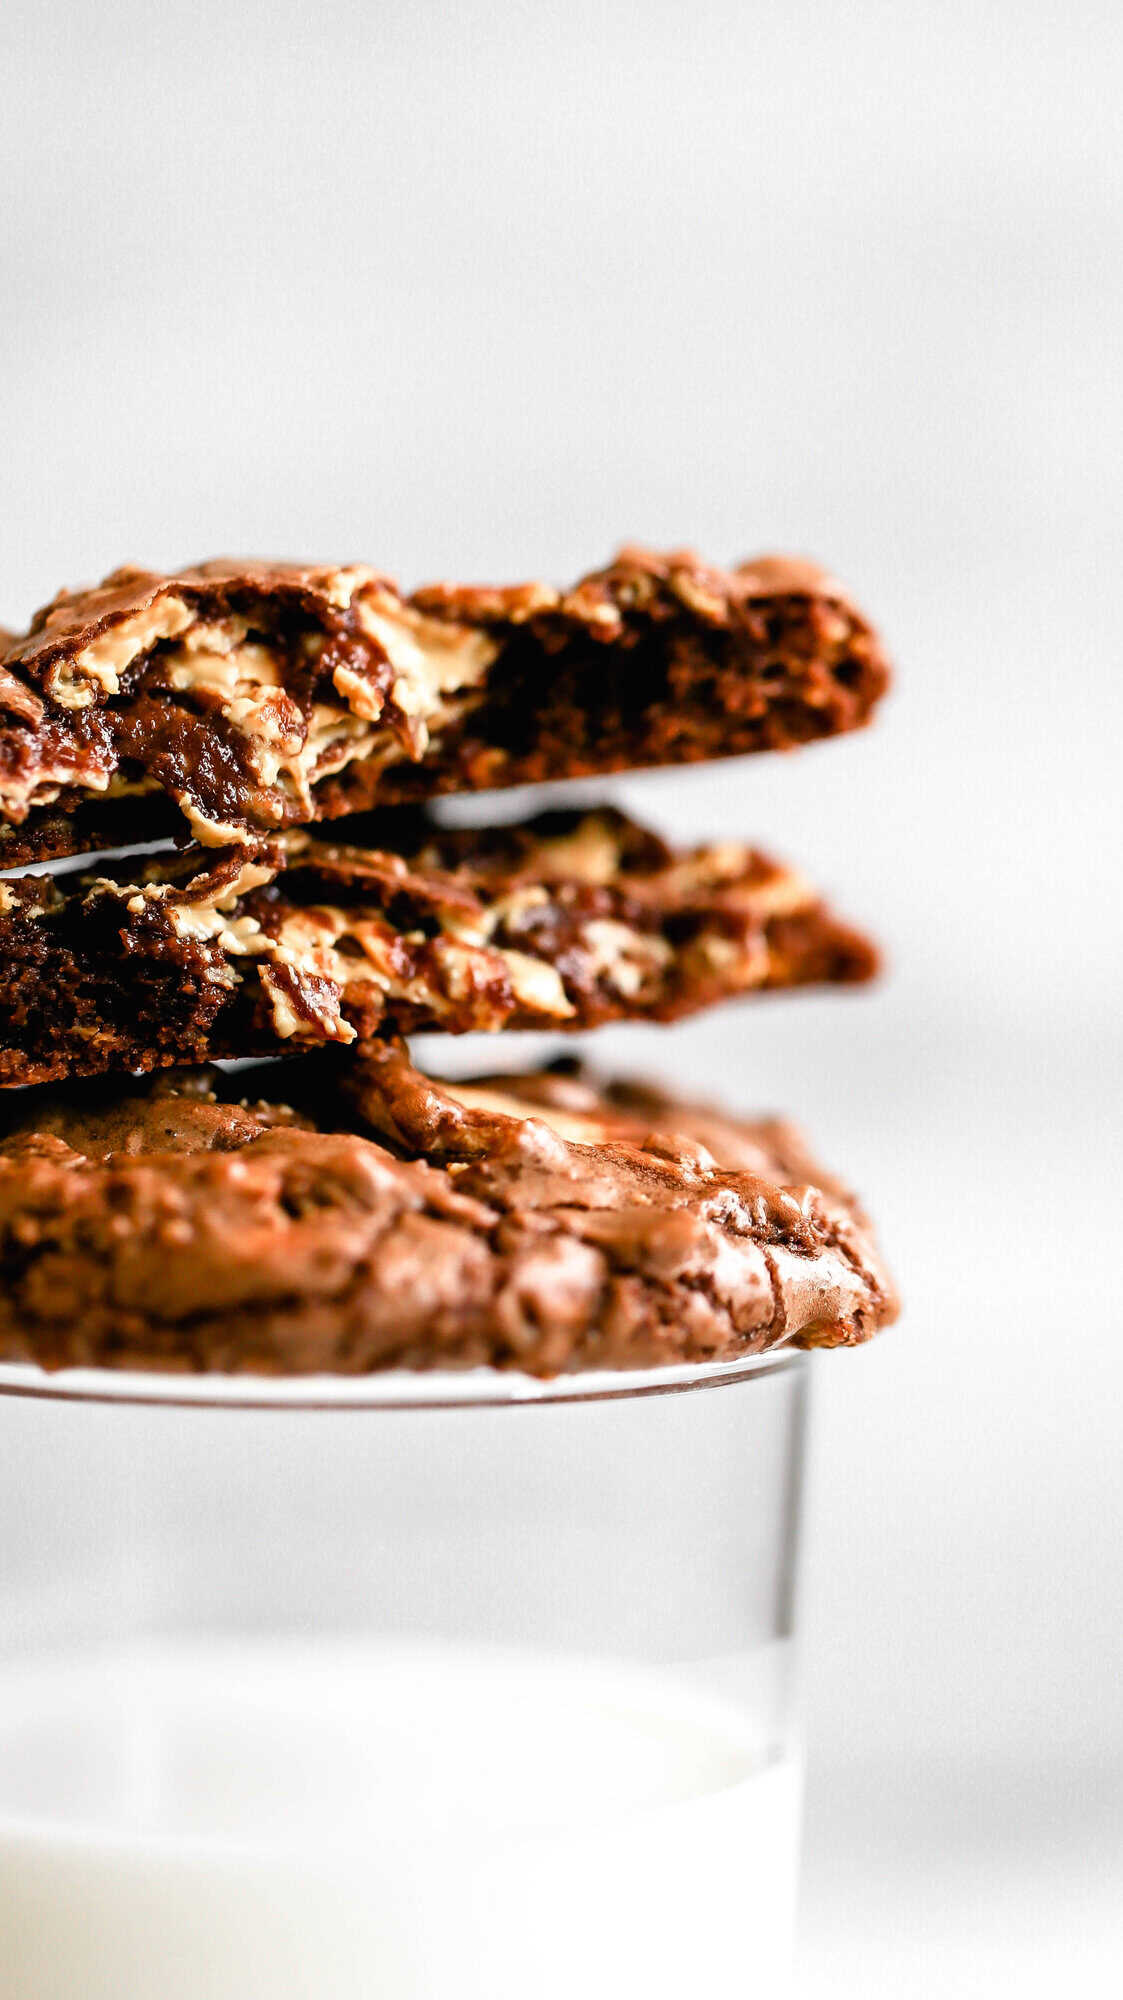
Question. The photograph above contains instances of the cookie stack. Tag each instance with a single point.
(218, 843)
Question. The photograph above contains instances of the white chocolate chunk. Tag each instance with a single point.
(75, 683)
(431, 657)
(628, 958)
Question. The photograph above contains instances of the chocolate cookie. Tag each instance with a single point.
(352, 1215)
(566, 921)
(235, 699)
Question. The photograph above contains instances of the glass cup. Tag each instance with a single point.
(420, 1685)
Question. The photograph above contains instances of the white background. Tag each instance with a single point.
(480, 290)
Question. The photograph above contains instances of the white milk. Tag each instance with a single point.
(295, 1822)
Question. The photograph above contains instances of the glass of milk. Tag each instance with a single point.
(443, 1686)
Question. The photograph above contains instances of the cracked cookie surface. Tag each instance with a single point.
(344, 1213)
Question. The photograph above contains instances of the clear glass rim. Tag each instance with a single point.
(393, 1390)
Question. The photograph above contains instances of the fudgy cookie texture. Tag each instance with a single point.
(235, 699)
(564, 921)
(352, 1215)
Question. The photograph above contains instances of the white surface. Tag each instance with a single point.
(351, 1820)
(478, 289)
(945, 1883)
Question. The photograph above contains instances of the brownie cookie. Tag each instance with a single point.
(235, 699)
(348, 1214)
(566, 921)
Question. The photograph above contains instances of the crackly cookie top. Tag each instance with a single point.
(233, 699)
(352, 1214)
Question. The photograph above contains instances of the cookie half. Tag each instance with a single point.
(235, 699)
(565, 921)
